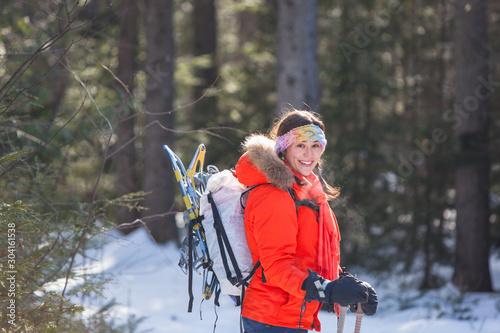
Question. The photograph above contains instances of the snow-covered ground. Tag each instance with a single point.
(147, 283)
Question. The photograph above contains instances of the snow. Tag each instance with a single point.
(147, 283)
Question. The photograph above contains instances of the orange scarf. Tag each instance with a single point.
(329, 235)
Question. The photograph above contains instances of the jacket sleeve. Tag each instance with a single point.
(275, 228)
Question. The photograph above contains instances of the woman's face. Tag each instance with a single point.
(303, 156)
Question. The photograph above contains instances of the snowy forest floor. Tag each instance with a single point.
(150, 295)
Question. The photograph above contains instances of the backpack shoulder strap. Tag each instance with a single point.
(245, 192)
(289, 190)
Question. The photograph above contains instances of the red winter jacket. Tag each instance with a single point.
(283, 237)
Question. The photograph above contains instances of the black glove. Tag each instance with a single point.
(345, 290)
(369, 308)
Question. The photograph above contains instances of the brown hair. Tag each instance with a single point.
(297, 118)
(293, 119)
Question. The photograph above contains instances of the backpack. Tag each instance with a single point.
(215, 245)
(222, 214)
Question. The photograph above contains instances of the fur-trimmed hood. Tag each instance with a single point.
(260, 164)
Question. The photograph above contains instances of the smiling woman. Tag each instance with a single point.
(292, 232)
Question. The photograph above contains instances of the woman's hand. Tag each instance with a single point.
(345, 290)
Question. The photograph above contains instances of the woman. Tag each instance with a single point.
(292, 231)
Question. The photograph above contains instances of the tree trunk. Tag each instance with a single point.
(205, 43)
(158, 175)
(248, 25)
(125, 158)
(297, 70)
(473, 165)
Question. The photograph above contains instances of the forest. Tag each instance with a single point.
(90, 91)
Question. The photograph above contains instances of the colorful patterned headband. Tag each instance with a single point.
(302, 133)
